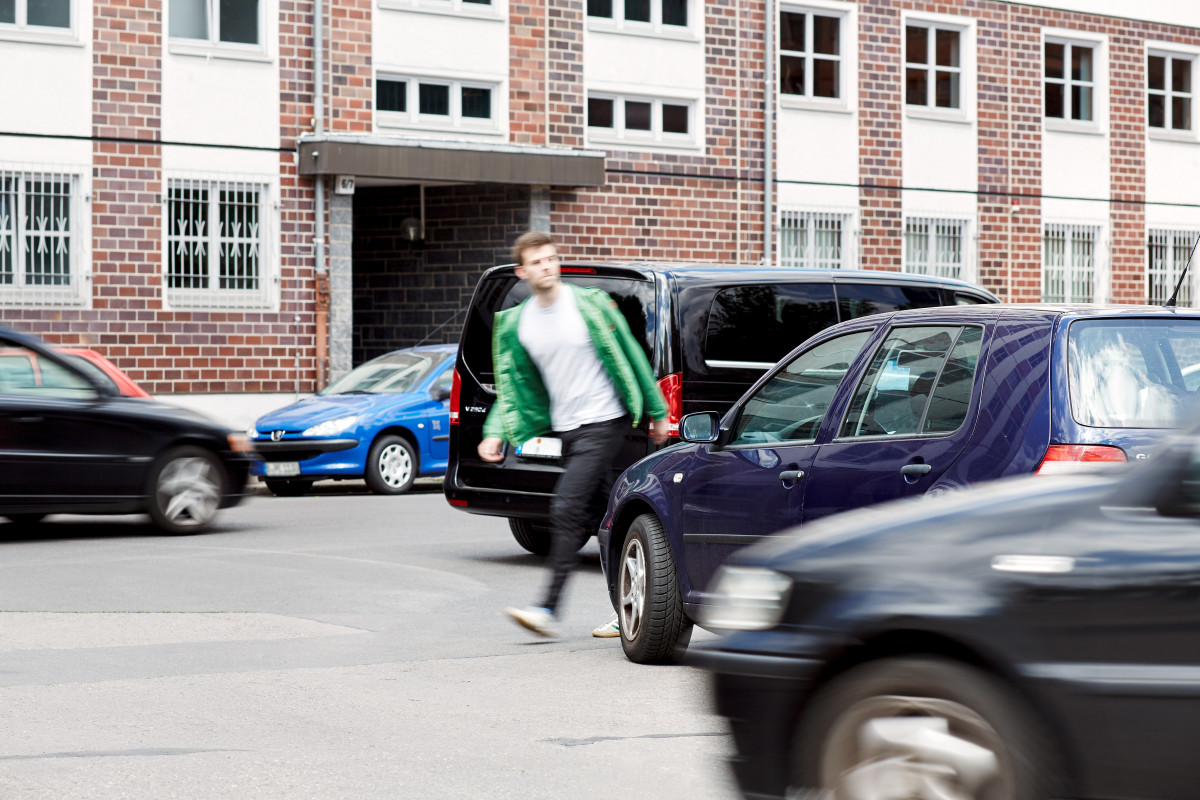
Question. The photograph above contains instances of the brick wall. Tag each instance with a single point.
(880, 108)
(403, 290)
(349, 84)
(1127, 132)
(527, 79)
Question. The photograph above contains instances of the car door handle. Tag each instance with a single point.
(791, 475)
(914, 470)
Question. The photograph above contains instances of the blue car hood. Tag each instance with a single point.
(319, 408)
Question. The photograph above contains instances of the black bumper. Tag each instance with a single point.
(300, 449)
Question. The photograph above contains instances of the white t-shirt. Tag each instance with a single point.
(557, 340)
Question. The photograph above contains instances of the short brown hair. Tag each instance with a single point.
(529, 241)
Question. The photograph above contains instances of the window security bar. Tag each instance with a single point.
(1069, 263)
(39, 237)
(817, 239)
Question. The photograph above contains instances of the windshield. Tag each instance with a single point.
(1136, 373)
(394, 373)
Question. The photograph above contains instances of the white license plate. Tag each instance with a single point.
(541, 447)
(282, 469)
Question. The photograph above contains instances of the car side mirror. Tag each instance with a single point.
(703, 427)
(439, 393)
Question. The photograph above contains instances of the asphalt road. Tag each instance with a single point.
(341, 645)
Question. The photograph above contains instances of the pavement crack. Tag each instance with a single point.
(146, 751)
(595, 739)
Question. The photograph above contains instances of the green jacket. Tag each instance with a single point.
(522, 407)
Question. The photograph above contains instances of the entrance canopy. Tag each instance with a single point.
(387, 159)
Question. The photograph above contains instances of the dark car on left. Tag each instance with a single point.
(70, 444)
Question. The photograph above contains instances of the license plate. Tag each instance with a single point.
(282, 469)
(541, 447)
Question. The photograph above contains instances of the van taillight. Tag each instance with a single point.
(1062, 458)
(672, 389)
(455, 389)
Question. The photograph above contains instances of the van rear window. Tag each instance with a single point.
(1136, 373)
(755, 326)
(862, 299)
(634, 297)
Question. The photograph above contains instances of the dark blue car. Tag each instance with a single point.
(917, 402)
(386, 422)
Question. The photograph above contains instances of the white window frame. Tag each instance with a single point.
(1099, 70)
(21, 31)
(931, 67)
(617, 23)
(496, 10)
(1168, 93)
(843, 59)
(1177, 244)
(655, 137)
(935, 224)
(69, 233)
(454, 121)
(213, 242)
(213, 47)
(807, 254)
(1076, 278)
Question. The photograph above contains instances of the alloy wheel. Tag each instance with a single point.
(395, 465)
(633, 588)
(189, 491)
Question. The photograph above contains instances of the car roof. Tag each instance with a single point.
(716, 273)
(450, 347)
(1048, 310)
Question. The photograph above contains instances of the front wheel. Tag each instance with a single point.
(391, 465)
(923, 727)
(185, 490)
(654, 628)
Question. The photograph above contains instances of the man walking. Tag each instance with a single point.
(566, 363)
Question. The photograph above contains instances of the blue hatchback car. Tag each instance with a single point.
(883, 407)
(386, 422)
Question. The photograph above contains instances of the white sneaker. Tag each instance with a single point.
(538, 620)
(608, 630)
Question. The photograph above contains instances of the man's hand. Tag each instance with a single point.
(489, 449)
(658, 431)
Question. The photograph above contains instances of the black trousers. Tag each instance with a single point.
(581, 495)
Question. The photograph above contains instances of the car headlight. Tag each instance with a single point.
(331, 427)
(251, 432)
(746, 599)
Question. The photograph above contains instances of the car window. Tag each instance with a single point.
(445, 381)
(861, 299)
(634, 298)
(98, 375)
(913, 365)
(790, 405)
(27, 373)
(755, 326)
(1133, 373)
(393, 373)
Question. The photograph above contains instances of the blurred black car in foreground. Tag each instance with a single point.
(1036, 638)
(70, 444)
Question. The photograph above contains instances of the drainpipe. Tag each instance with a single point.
(322, 276)
(769, 143)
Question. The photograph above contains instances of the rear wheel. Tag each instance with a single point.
(923, 728)
(654, 628)
(185, 490)
(289, 488)
(533, 536)
(391, 465)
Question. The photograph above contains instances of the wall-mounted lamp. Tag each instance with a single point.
(411, 229)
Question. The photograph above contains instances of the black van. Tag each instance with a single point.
(709, 333)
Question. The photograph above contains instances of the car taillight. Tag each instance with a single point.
(672, 389)
(455, 389)
(1061, 458)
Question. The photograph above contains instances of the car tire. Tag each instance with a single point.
(999, 750)
(289, 488)
(533, 536)
(187, 486)
(654, 628)
(391, 465)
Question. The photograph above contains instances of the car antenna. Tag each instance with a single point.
(1175, 294)
(439, 327)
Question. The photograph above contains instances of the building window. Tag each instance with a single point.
(216, 244)
(215, 21)
(36, 13)
(37, 239)
(640, 119)
(814, 239)
(1069, 263)
(658, 14)
(1070, 81)
(810, 60)
(1168, 253)
(1169, 92)
(434, 103)
(933, 66)
(934, 246)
